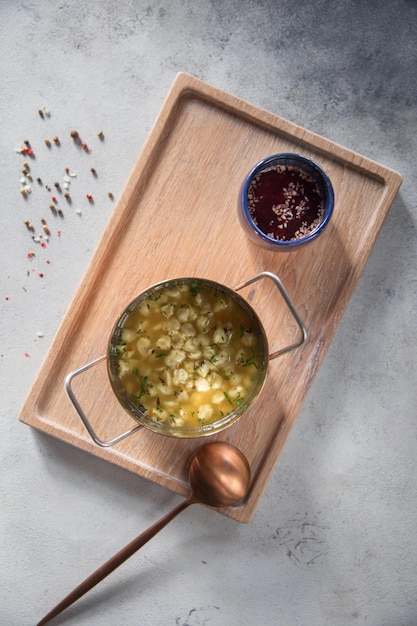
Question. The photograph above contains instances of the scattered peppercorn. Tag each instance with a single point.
(111, 196)
(43, 112)
(42, 238)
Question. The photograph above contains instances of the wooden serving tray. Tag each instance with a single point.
(177, 217)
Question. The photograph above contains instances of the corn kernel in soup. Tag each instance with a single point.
(189, 355)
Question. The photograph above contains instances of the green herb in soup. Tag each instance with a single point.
(189, 355)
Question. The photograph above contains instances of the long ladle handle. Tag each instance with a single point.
(116, 560)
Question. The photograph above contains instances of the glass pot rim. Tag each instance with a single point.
(140, 415)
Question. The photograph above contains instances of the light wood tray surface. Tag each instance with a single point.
(177, 217)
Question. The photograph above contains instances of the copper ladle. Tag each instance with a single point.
(219, 476)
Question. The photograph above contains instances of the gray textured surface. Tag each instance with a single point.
(334, 539)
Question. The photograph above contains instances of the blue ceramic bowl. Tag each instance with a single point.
(302, 167)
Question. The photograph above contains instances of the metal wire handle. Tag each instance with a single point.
(278, 283)
(90, 429)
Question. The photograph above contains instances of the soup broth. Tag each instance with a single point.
(189, 355)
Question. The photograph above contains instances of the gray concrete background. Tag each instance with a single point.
(334, 540)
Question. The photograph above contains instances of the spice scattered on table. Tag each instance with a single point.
(44, 112)
(40, 230)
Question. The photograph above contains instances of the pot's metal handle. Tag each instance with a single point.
(77, 406)
(278, 283)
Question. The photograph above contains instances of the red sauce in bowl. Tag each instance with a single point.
(285, 203)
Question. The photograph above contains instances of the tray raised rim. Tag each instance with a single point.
(186, 86)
